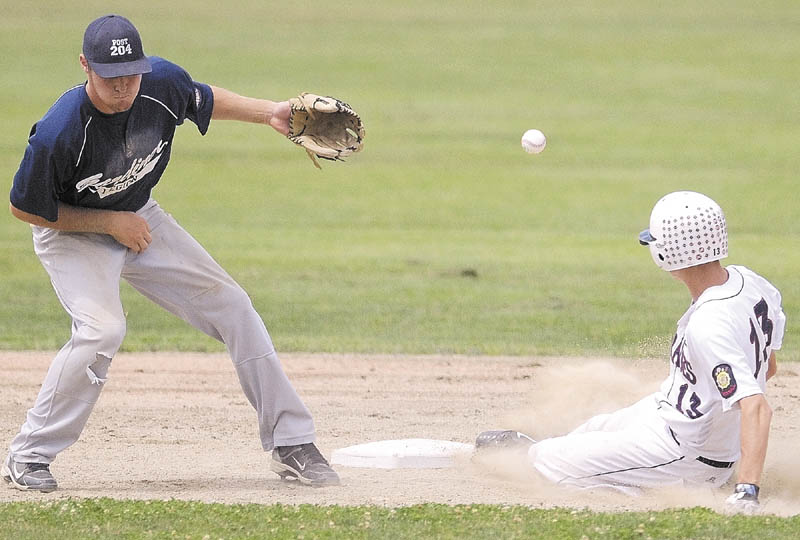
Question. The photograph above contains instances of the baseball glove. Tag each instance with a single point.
(325, 127)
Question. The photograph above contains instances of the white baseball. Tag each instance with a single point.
(533, 141)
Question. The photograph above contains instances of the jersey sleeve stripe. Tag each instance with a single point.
(85, 128)
(162, 104)
(68, 91)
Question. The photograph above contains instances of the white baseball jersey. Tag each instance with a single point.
(720, 355)
(689, 431)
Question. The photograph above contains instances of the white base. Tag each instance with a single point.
(402, 454)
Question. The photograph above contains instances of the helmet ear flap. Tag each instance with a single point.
(658, 257)
(647, 239)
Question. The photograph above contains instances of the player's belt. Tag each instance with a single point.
(701, 459)
(714, 463)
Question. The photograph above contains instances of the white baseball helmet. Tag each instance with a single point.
(686, 229)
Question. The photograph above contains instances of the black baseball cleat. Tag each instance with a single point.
(29, 476)
(503, 439)
(304, 463)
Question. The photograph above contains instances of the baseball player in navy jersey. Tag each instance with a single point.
(710, 413)
(84, 185)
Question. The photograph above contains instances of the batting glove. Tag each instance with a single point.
(744, 499)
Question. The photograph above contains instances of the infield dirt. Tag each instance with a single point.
(177, 425)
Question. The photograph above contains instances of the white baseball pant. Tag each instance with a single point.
(630, 448)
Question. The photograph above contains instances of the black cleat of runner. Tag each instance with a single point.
(503, 439)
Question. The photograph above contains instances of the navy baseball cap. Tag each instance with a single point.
(113, 48)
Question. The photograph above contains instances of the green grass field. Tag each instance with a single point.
(370, 255)
(106, 518)
(444, 236)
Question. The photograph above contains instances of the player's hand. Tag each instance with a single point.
(744, 499)
(131, 230)
(280, 117)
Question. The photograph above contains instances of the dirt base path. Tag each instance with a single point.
(175, 425)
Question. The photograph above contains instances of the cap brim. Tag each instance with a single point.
(122, 69)
(645, 237)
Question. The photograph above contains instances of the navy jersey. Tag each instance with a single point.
(82, 157)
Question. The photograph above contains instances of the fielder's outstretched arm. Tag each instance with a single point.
(231, 106)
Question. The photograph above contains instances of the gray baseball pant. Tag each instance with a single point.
(177, 273)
